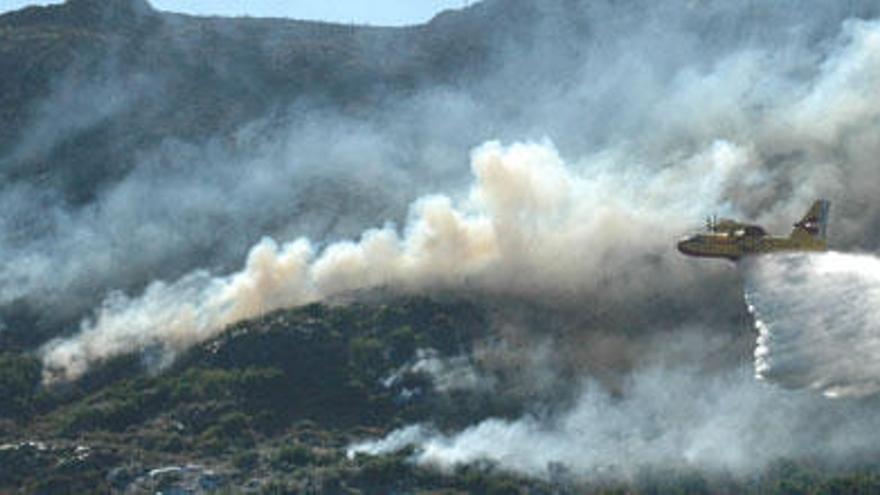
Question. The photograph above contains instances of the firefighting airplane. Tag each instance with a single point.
(733, 240)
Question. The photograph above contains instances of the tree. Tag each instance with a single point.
(19, 383)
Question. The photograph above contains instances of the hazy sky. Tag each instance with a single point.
(377, 12)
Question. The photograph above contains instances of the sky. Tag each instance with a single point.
(374, 12)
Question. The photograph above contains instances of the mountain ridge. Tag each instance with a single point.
(85, 43)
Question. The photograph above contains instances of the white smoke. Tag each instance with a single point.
(817, 332)
(536, 224)
(818, 316)
(666, 129)
(395, 441)
(662, 418)
(446, 373)
(645, 85)
(523, 226)
(533, 223)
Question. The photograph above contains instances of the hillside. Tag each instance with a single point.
(276, 256)
(159, 75)
(132, 140)
(275, 404)
(96, 95)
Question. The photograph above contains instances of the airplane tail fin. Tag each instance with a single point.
(815, 222)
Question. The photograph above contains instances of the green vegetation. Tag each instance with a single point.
(280, 397)
(287, 366)
(19, 384)
(280, 392)
(291, 456)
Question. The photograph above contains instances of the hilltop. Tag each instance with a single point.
(160, 75)
(96, 95)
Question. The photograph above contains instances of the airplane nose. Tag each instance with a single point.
(684, 247)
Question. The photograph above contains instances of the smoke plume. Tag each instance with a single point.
(540, 223)
(662, 418)
(521, 227)
(599, 132)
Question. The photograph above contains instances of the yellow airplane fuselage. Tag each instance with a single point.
(734, 247)
(733, 240)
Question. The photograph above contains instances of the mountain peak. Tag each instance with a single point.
(99, 14)
(111, 10)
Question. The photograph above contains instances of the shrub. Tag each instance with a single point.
(403, 343)
(367, 356)
(19, 382)
(292, 456)
(247, 460)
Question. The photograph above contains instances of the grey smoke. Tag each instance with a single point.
(519, 228)
(744, 133)
(619, 125)
(676, 409)
(183, 199)
(640, 86)
(662, 418)
(807, 132)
